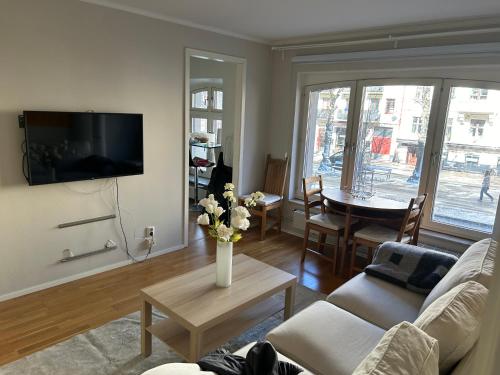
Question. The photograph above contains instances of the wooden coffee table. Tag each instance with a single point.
(202, 317)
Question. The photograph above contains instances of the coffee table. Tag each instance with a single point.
(202, 317)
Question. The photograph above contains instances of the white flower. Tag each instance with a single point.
(210, 208)
(218, 211)
(229, 195)
(241, 212)
(203, 202)
(229, 186)
(239, 222)
(209, 204)
(257, 195)
(249, 202)
(203, 219)
(210, 200)
(224, 232)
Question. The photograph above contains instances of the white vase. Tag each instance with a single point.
(224, 264)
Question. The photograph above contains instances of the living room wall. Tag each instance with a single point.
(72, 56)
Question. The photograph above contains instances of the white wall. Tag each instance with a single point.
(73, 56)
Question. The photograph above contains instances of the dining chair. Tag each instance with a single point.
(325, 223)
(274, 188)
(374, 235)
(198, 163)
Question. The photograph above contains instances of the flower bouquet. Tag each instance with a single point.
(226, 232)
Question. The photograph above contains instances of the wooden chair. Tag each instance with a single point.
(274, 188)
(324, 223)
(373, 235)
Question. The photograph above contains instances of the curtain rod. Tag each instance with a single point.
(389, 38)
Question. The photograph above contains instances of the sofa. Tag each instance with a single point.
(334, 336)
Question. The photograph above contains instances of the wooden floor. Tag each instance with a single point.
(42, 319)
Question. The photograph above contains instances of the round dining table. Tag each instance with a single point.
(375, 208)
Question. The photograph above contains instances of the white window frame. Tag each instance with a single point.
(436, 133)
(435, 167)
(430, 127)
(195, 91)
(306, 139)
(212, 100)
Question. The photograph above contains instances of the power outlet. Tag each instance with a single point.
(150, 236)
(150, 232)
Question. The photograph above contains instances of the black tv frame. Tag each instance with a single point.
(22, 123)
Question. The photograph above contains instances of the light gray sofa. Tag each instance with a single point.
(333, 337)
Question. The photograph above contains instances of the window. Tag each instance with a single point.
(207, 99)
(199, 125)
(467, 188)
(476, 127)
(206, 117)
(217, 99)
(199, 99)
(479, 94)
(388, 161)
(416, 126)
(328, 110)
(445, 142)
(389, 106)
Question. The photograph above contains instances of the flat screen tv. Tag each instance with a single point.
(75, 146)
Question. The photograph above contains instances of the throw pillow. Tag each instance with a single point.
(477, 264)
(403, 350)
(454, 319)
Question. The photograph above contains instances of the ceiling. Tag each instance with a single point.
(272, 20)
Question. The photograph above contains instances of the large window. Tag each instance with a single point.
(408, 137)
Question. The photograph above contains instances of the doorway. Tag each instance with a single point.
(214, 116)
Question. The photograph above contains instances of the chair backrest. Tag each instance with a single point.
(411, 222)
(275, 176)
(316, 188)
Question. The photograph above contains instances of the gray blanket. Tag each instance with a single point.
(411, 267)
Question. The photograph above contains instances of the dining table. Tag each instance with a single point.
(371, 209)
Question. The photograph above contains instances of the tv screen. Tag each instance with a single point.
(74, 146)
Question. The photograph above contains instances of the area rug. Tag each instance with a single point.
(114, 348)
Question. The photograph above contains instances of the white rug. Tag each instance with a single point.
(114, 348)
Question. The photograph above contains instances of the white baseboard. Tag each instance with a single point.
(64, 280)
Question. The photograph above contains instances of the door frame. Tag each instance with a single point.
(239, 125)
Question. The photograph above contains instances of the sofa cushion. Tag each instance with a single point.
(377, 301)
(325, 339)
(454, 319)
(178, 369)
(404, 350)
(243, 352)
(476, 263)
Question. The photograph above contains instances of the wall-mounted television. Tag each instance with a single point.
(75, 146)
